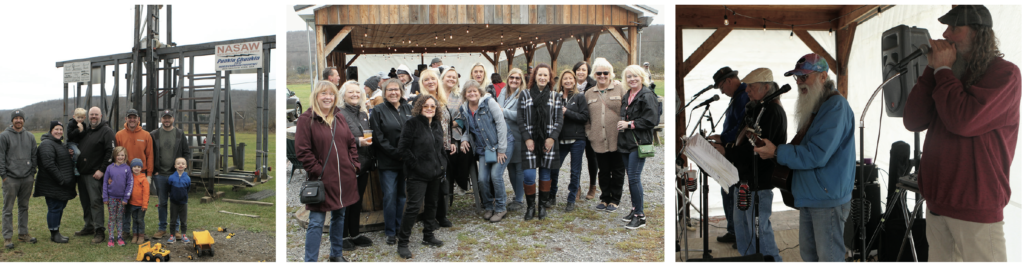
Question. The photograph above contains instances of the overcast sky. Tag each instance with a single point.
(36, 37)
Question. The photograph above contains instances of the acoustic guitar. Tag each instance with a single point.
(782, 176)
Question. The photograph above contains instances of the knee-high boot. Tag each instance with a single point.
(531, 197)
(545, 197)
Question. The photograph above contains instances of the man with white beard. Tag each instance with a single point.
(822, 162)
(968, 98)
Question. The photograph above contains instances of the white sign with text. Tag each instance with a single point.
(239, 56)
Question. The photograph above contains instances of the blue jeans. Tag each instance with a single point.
(160, 182)
(392, 184)
(531, 175)
(575, 167)
(821, 233)
(490, 176)
(635, 166)
(727, 205)
(135, 219)
(315, 231)
(55, 211)
(745, 227)
(74, 146)
(515, 177)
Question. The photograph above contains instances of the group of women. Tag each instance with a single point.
(425, 145)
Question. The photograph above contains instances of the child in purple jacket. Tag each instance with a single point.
(117, 189)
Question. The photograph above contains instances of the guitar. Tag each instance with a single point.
(782, 176)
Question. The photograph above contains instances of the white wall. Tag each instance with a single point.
(745, 50)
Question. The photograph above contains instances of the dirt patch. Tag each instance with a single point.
(245, 246)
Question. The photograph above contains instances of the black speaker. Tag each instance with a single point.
(897, 43)
(352, 73)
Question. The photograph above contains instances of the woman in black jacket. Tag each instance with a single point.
(540, 122)
(573, 138)
(423, 152)
(386, 122)
(584, 82)
(639, 117)
(352, 105)
(56, 179)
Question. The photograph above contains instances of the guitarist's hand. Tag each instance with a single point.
(766, 152)
(720, 148)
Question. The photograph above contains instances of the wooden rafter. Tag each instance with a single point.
(337, 39)
(618, 36)
(353, 60)
(816, 48)
(844, 46)
(705, 48)
(553, 51)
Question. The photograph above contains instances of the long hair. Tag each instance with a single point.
(519, 72)
(440, 94)
(984, 48)
(417, 107)
(362, 94)
(119, 149)
(326, 114)
(533, 78)
(454, 90)
(482, 67)
(570, 91)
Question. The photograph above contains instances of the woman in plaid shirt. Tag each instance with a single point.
(540, 119)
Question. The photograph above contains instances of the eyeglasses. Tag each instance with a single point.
(394, 89)
(802, 78)
(429, 107)
(515, 78)
(602, 73)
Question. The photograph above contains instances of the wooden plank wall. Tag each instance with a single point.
(474, 14)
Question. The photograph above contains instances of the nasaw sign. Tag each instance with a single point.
(239, 56)
(77, 72)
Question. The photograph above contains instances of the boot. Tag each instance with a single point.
(403, 251)
(85, 232)
(542, 211)
(56, 237)
(99, 235)
(26, 238)
(430, 240)
(529, 206)
(592, 192)
(547, 198)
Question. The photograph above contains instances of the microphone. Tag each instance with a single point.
(710, 86)
(772, 97)
(707, 102)
(921, 51)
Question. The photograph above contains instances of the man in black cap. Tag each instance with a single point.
(728, 81)
(968, 98)
(434, 63)
(17, 168)
(96, 145)
(169, 143)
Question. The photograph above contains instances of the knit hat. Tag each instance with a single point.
(17, 113)
(136, 162)
(963, 15)
(54, 124)
(372, 82)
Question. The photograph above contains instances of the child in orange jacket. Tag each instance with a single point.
(137, 204)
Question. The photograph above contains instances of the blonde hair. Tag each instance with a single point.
(323, 86)
(80, 112)
(638, 71)
(482, 67)
(602, 62)
(118, 149)
(362, 94)
(441, 95)
(522, 82)
(567, 91)
(455, 90)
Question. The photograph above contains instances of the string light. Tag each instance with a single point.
(830, 31)
(726, 20)
(487, 25)
(765, 24)
(791, 27)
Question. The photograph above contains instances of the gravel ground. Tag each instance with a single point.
(583, 235)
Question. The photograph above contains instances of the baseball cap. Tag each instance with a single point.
(132, 112)
(963, 15)
(807, 64)
(167, 112)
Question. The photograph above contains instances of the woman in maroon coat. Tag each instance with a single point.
(327, 150)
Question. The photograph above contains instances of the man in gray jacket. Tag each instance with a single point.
(17, 168)
(169, 143)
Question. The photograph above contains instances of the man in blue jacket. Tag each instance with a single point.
(728, 81)
(822, 163)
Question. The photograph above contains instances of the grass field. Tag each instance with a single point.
(200, 217)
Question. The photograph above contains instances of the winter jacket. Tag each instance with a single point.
(335, 160)
(357, 122)
(118, 182)
(487, 127)
(96, 145)
(139, 144)
(140, 191)
(590, 83)
(179, 184)
(422, 148)
(643, 112)
(604, 107)
(71, 133)
(539, 122)
(181, 149)
(386, 123)
(56, 179)
(969, 147)
(412, 88)
(773, 128)
(576, 117)
(734, 114)
(17, 154)
(509, 102)
(823, 163)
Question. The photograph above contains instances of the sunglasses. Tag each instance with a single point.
(515, 78)
(602, 73)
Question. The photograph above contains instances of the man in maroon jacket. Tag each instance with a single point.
(969, 101)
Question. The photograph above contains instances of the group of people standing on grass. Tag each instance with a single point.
(109, 170)
(424, 132)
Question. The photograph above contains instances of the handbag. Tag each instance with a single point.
(490, 156)
(643, 151)
(312, 192)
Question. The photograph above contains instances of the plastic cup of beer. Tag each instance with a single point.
(368, 134)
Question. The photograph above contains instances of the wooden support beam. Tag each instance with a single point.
(509, 56)
(353, 60)
(680, 91)
(707, 18)
(337, 39)
(529, 51)
(488, 57)
(587, 44)
(247, 202)
(553, 50)
(702, 51)
(844, 46)
(497, 58)
(424, 50)
(618, 36)
(856, 13)
(342, 71)
(321, 54)
(634, 46)
(816, 48)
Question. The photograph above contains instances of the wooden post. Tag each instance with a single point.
(634, 47)
(587, 44)
(553, 50)
(342, 70)
(680, 91)
(528, 51)
(701, 51)
(617, 34)
(497, 58)
(509, 55)
(321, 54)
(844, 46)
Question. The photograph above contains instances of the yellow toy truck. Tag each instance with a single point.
(203, 243)
(153, 253)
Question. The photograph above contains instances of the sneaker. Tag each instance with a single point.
(497, 217)
(110, 242)
(120, 242)
(628, 218)
(570, 206)
(391, 240)
(611, 207)
(347, 245)
(601, 206)
(362, 241)
(727, 238)
(488, 214)
(185, 239)
(432, 241)
(515, 206)
(444, 222)
(170, 240)
(8, 244)
(637, 222)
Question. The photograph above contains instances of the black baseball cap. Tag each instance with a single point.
(722, 74)
(132, 112)
(963, 15)
(167, 112)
